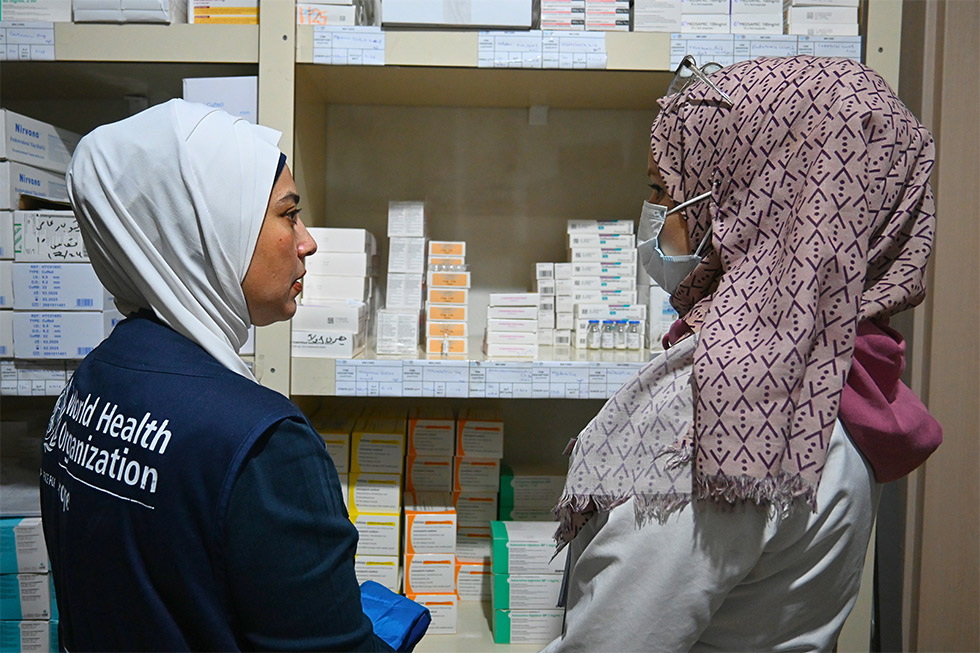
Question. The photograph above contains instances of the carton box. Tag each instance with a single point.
(25, 596)
(474, 544)
(406, 255)
(515, 299)
(501, 14)
(428, 473)
(497, 350)
(526, 591)
(445, 312)
(375, 493)
(525, 493)
(325, 315)
(480, 433)
(475, 508)
(380, 569)
(527, 626)
(600, 226)
(526, 547)
(18, 179)
(442, 609)
(447, 248)
(341, 264)
(455, 296)
(238, 96)
(474, 581)
(516, 337)
(446, 345)
(524, 325)
(406, 220)
(437, 279)
(50, 334)
(237, 12)
(378, 444)
(440, 329)
(58, 287)
(430, 523)
(378, 533)
(47, 236)
(35, 142)
(30, 635)
(510, 313)
(397, 331)
(430, 573)
(324, 14)
(6, 235)
(405, 291)
(340, 239)
(318, 287)
(6, 333)
(476, 474)
(431, 432)
(22, 547)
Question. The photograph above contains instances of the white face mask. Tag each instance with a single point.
(667, 271)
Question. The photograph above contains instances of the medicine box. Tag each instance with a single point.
(398, 331)
(446, 345)
(474, 581)
(474, 544)
(705, 23)
(58, 287)
(513, 337)
(406, 255)
(475, 508)
(237, 12)
(34, 142)
(446, 260)
(47, 236)
(381, 569)
(345, 488)
(341, 239)
(327, 344)
(378, 533)
(476, 474)
(406, 219)
(705, 6)
(436, 279)
(757, 24)
(28, 635)
(405, 291)
(431, 432)
(374, 493)
(521, 325)
(600, 226)
(378, 445)
(527, 626)
(326, 315)
(511, 351)
(604, 283)
(528, 491)
(18, 179)
(604, 296)
(500, 14)
(22, 547)
(602, 269)
(238, 96)
(25, 596)
(526, 547)
(6, 235)
(6, 333)
(458, 296)
(439, 329)
(430, 522)
(6, 284)
(430, 573)
(480, 433)
(442, 610)
(341, 264)
(526, 591)
(515, 299)
(513, 313)
(428, 473)
(447, 248)
(324, 14)
(317, 286)
(602, 255)
(50, 334)
(544, 286)
(589, 239)
(445, 312)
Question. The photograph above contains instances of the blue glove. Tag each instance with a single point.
(399, 621)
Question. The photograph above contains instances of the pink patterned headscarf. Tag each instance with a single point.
(821, 217)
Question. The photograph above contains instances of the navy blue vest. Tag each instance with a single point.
(139, 461)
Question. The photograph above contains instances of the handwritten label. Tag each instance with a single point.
(348, 46)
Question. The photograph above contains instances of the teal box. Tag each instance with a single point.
(22, 549)
(25, 596)
(526, 591)
(526, 626)
(526, 496)
(525, 547)
(17, 636)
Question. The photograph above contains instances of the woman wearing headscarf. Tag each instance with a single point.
(724, 498)
(185, 506)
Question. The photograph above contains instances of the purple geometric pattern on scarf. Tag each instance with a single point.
(821, 216)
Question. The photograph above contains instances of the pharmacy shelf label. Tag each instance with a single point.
(26, 41)
(541, 49)
(369, 378)
(444, 378)
(727, 49)
(348, 46)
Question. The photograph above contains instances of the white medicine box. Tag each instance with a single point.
(34, 142)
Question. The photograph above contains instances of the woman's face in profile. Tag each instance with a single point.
(674, 237)
(275, 274)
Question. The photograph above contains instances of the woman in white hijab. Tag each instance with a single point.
(185, 506)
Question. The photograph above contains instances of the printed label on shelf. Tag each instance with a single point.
(541, 49)
(22, 41)
(727, 49)
(348, 45)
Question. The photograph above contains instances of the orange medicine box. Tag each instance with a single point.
(430, 523)
(480, 434)
(438, 329)
(442, 609)
(445, 312)
(474, 544)
(447, 260)
(448, 279)
(430, 573)
(447, 248)
(428, 473)
(448, 295)
(474, 581)
(431, 432)
(475, 508)
(447, 345)
(476, 474)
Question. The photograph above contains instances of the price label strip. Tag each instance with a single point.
(348, 46)
(26, 41)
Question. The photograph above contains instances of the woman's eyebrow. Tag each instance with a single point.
(289, 197)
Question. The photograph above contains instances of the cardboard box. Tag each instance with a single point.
(440, 329)
(602, 254)
(476, 474)
(430, 523)
(445, 312)
(499, 14)
(325, 315)
(342, 239)
(25, 596)
(6, 333)
(446, 260)
(455, 296)
(29, 635)
(514, 337)
(375, 493)
(524, 325)
(474, 544)
(604, 283)
(405, 291)
(544, 270)
(317, 287)
(511, 351)
(447, 248)
(50, 334)
(18, 179)
(378, 445)
(380, 569)
(428, 473)
(528, 491)
(480, 433)
(22, 549)
(6, 284)
(475, 508)
(757, 24)
(515, 299)
(705, 6)
(446, 345)
(442, 609)
(526, 591)
(58, 287)
(406, 219)
(234, 12)
(544, 287)
(431, 432)
(474, 581)
(398, 331)
(46, 236)
(6, 235)
(600, 226)
(706, 23)
(341, 264)
(129, 11)
(430, 573)
(601, 269)
(448, 279)
(406, 255)
(238, 96)
(35, 142)
(378, 533)
(326, 344)
(513, 313)
(527, 626)
(563, 271)
(47, 11)
(526, 547)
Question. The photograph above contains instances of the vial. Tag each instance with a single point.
(633, 337)
(620, 334)
(608, 334)
(593, 337)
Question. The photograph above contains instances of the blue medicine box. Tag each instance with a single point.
(22, 549)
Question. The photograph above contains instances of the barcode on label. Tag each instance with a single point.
(85, 302)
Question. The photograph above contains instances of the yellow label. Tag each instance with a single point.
(450, 279)
(447, 296)
(447, 248)
(446, 260)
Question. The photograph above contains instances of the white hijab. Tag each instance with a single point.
(170, 203)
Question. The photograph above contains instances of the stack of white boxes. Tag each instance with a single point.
(553, 282)
(656, 15)
(821, 17)
(28, 609)
(527, 579)
(544, 285)
(607, 15)
(377, 456)
(564, 305)
(400, 321)
(430, 556)
(757, 17)
(447, 287)
(332, 318)
(705, 16)
(479, 447)
(512, 324)
(563, 14)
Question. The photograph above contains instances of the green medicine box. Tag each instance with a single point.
(526, 591)
(526, 626)
(525, 547)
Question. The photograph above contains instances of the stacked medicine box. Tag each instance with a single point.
(377, 456)
(821, 17)
(512, 324)
(602, 254)
(563, 15)
(527, 579)
(332, 318)
(657, 15)
(479, 447)
(553, 283)
(757, 17)
(528, 494)
(28, 609)
(705, 16)
(607, 15)
(399, 322)
(447, 300)
(430, 556)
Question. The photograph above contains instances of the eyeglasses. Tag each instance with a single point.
(687, 72)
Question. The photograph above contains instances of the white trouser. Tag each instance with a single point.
(734, 580)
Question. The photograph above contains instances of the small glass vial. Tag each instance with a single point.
(608, 334)
(620, 334)
(593, 337)
(634, 338)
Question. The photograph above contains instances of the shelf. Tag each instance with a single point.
(557, 373)
(472, 633)
(157, 43)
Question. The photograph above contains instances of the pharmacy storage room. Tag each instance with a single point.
(489, 325)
